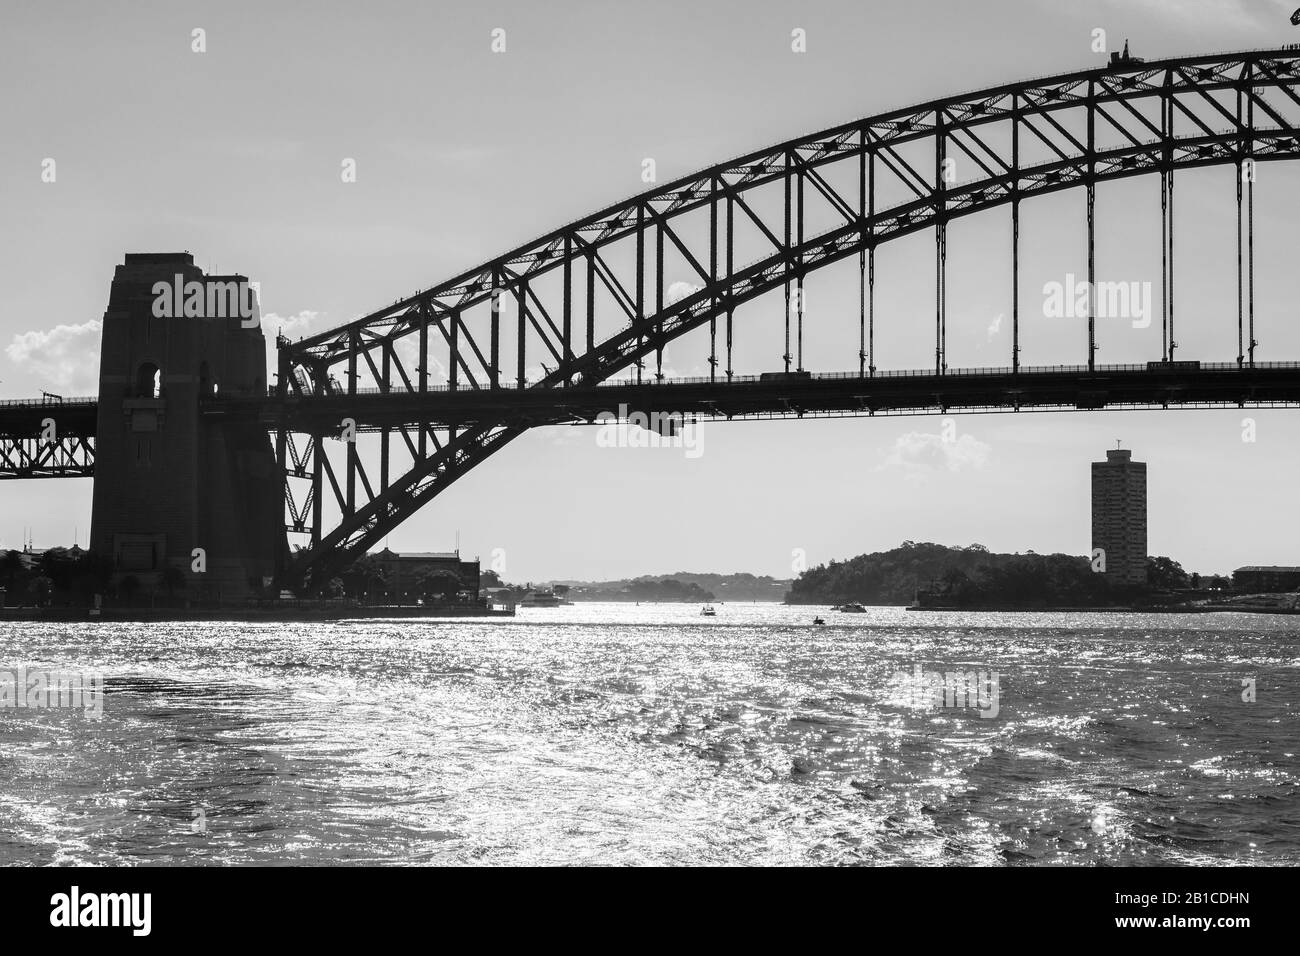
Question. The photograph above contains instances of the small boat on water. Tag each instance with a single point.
(708, 611)
(818, 620)
(851, 609)
(544, 597)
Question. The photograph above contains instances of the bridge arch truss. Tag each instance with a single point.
(602, 296)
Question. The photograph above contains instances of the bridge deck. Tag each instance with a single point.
(25, 417)
(773, 395)
(795, 395)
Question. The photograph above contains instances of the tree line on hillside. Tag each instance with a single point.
(933, 574)
(683, 586)
(667, 590)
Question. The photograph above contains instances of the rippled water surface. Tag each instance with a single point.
(648, 735)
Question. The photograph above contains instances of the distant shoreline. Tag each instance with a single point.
(1150, 609)
(297, 615)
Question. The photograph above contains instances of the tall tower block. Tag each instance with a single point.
(170, 479)
(1119, 516)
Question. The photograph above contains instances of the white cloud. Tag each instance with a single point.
(994, 326)
(66, 356)
(920, 451)
(680, 290)
(297, 324)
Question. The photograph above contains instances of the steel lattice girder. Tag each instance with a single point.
(68, 457)
(48, 438)
(1194, 127)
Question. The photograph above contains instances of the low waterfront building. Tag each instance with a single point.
(405, 574)
(1266, 578)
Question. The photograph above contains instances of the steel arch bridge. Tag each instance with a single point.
(762, 224)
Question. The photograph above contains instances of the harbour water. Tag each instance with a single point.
(625, 734)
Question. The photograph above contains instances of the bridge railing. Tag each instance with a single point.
(976, 371)
(1147, 63)
(29, 402)
(1002, 370)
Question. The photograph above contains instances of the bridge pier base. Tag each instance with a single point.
(184, 503)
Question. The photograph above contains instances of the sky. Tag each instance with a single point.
(461, 153)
